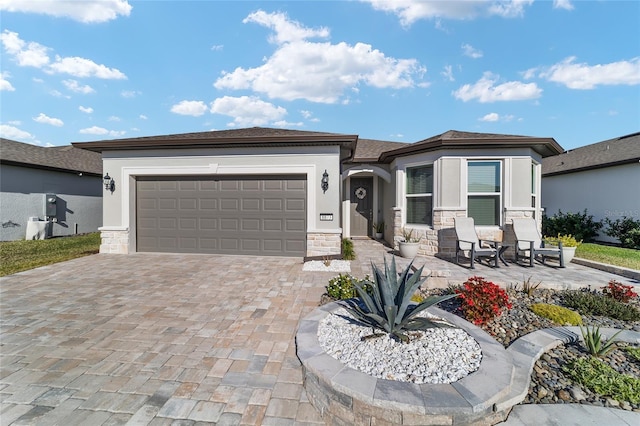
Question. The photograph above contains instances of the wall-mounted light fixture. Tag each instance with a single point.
(109, 183)
(324, 183)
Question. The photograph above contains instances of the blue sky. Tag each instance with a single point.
(402, 71)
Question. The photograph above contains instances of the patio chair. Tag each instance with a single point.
(528, 239)
(467, 240)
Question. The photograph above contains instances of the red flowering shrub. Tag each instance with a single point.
(482, 300)
(618, 291)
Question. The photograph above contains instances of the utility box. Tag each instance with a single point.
(50, 206)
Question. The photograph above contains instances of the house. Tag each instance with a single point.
(60, 186)
(298, 193)
(603, 178)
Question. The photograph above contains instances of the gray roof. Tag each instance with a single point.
(455, 139)
(369, 150)
(612, 152)
(253, 136)
(63, 158)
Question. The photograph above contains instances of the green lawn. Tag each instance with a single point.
(627, 258)
(16, 256)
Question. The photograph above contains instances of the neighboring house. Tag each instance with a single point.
(297, 193)
(603, 178)
(61, 185)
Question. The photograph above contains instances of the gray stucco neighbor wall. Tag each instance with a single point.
(22, 194)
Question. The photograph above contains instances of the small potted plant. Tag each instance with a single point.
(379, 230)
(409, 245)
(569, 245)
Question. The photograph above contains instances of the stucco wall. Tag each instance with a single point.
(22, 193)
(611, 192)
(311, 161)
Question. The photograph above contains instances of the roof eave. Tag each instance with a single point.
(50, 168)
(592, 167)
(546, 147)
(348, 141)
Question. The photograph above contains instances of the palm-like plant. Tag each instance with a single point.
(389, 307)
(593, 341)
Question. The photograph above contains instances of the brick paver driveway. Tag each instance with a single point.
(153, 338)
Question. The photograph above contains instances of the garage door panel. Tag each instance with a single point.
(222, 214)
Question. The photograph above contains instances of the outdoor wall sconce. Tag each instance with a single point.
(324, 183)
(109, 183)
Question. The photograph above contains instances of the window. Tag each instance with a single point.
(485, 192)
(420, 195)
(534, 193)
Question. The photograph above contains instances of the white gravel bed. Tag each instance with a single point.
(440, 355)
(335, 266)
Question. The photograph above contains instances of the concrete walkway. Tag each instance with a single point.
(156, 339)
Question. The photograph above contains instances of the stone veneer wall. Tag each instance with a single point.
(319, 244)
(114, 241)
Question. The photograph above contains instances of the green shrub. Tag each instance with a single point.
(602, 379)
(342, 286)
(347, 249)
(566, 240)
(588, 303)
(580, 225)
(626, 230)
(557, 314)
(634, 353)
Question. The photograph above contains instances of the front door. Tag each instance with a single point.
(361, 206)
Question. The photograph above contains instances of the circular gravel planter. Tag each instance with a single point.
(344, 395)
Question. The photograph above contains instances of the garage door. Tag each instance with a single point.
(223, 215)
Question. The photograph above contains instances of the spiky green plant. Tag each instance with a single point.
(389, 307)
(593, 341)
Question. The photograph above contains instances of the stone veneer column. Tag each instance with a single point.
(323, 244)
(114, 241)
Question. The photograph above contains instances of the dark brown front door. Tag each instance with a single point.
(361, 206)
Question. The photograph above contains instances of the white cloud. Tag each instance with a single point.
(471, 51)
(447, 73)
(87, 110)
(114, 118)
(11, 132)
(58, 94)
(410, 11)
(44, 119)
(130, 93)
(584, 76)
(86, 11)
(74, 86)
(217, 47)
(285, 29)
(248, 110)
(491, 117)
(563, 4)
(306, 114)
(318, 72)
(193, 108)
(509, 9)
(95, 130)
(494, 116)
(37, 80)
(30, 54)
(35, 55)
(4, 83)
(143, 117)
(485, 90)
(285, 124)
(81, 67)
(15, 122)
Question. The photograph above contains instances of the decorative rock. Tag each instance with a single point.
(563, 395)
(577, 394)
(542, 392)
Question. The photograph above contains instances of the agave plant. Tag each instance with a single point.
(593, 341)
(389, 307)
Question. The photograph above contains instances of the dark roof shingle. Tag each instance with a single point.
(621, 150)
(63, 158)
(369, 150)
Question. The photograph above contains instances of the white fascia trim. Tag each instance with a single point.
(324, 231)
(367, 168)
(212, 169)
